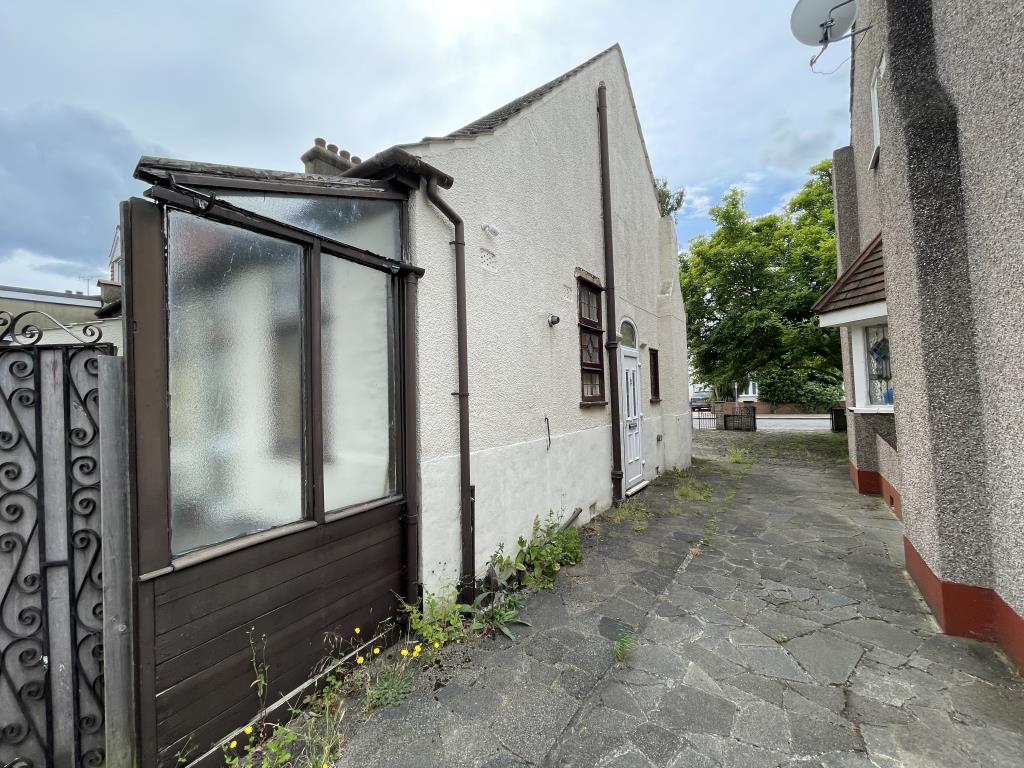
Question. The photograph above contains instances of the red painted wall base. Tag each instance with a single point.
(968, 611)
(874, 484)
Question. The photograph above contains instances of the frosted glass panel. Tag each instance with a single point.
(358, 392)
(365, 223)
(234, 311)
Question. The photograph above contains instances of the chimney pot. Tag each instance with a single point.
(345, 154)
(332, 148)
(320, 142)
(356, 160)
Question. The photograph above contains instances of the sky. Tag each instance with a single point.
(724, 93)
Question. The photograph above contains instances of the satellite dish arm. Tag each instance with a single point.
(826, 29)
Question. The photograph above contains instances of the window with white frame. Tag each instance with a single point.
(750, 391)
(876, 124)
(878, 368)
(872, 366)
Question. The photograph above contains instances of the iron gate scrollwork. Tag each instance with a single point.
(51, 650)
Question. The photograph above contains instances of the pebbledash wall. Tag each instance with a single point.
(536, 179)
(946, 198)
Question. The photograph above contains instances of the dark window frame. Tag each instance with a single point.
(655, 375)
(150, 408)
(588, 326)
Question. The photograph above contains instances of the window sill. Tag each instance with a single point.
(870, 409)
(655, 399)
(593, 403)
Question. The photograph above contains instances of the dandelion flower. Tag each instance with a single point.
(358, 630)
(415, 654)
(233, 744)
(437, 645)
(248, 730)
(418, 648)
(376, 651)
(360, 659)
(405, 651)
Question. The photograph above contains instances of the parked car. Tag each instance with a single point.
(700, 401)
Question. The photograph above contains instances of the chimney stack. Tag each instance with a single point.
(326, 160)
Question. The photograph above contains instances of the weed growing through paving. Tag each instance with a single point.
(494, 611)
(634, 511)
(440, 620)
(737, 455)
(539, 558)
(689, 488)
(624, 643)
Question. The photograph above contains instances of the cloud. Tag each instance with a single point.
(27, 269)
(697, 202)
(794, 148)
(62, 171)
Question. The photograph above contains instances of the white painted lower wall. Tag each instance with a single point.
(516, 483)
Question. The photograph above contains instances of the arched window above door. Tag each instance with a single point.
(627, 334)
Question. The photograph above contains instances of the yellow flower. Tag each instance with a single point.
(418, 648)
(360, 659)
(405, 651)
(558, 567)
(376, 651)
(415, 654)
(437, 645)
(233, 744)
(358, 630)
(248, 730)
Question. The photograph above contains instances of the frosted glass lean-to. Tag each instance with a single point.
(235, 378)
(358, 387)
(369, 224)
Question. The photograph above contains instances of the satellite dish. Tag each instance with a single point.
(820, 22)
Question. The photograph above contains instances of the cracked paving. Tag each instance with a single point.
(793, 638)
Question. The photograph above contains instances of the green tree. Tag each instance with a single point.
(669, 201)
(749, 288)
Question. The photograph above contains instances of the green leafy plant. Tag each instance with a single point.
(389, 685)
(539, 558)
(493, 611)
(624, 643)
(634, 511)
(440, 621)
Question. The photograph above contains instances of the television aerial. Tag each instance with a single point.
(823, 22)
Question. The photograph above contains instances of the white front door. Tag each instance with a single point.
(632, 419)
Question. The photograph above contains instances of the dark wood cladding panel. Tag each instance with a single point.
(205, 638)
(207, 714)
(294, 589)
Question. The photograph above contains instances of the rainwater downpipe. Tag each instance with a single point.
(467, 571)
(612, 345)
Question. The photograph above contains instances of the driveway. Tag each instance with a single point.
(789, 637)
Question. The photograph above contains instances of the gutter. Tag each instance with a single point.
(612, 345)
(467, 572)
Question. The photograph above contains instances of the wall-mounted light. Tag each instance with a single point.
(490, 229)
(553, 320)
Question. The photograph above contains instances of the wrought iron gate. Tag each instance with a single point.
(51, 651)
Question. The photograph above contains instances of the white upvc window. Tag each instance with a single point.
(869, 347)
(876, 123)
(872, 367)
(750, 392)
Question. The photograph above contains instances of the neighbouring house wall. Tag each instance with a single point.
(943, 194)
(987, 89)
(537, 180)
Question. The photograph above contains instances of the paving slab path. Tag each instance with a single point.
(792, 637)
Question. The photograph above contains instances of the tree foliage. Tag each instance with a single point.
(669, 201)
(749, 288)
